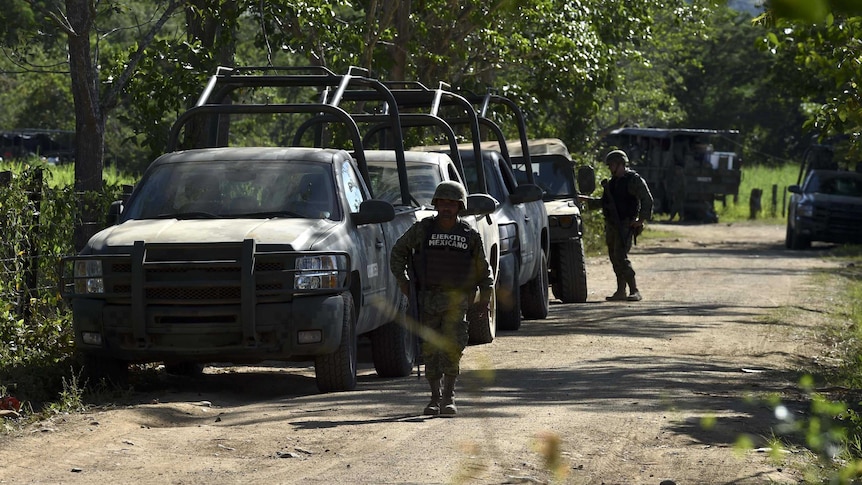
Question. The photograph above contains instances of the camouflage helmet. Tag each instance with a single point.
(450, 190)
(616, 156)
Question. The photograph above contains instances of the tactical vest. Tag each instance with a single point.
(627, 204)
(448, 258)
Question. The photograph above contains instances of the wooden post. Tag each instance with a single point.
(774, 203)
(754, 203)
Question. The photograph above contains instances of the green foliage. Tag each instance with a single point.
(37, 220)
(819, 42)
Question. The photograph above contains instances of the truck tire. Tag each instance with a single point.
(571, 273)
(394, 346)
(99, 371)
(509, 302)
(483, 325)
(337, 371)
(792, 240)
(185, 369)
(534, 294)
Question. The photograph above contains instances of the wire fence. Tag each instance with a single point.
(37, 224)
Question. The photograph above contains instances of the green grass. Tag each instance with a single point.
(764, 178)
(64, 175)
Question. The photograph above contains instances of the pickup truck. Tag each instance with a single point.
(553, 171)
(522, 286)
(244, 255)
(248, 253)
(426, 171)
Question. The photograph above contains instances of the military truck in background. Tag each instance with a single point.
(687, 169)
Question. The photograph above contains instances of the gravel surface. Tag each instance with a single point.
(601, 392)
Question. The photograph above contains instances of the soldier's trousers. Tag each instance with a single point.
(618, 253)
(443, 314)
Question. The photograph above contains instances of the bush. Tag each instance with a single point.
(37, 219)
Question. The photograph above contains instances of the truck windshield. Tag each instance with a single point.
(234, 189)
(423, 179)
(553, 174)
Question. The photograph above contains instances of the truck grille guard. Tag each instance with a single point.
(200, 274)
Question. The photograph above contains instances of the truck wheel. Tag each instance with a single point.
(794, 241)
(483, 325)
(104, 371)
(393, 346)
(534, 295)
(337, 371)
(186, 369)
(571, 285)
(509, 302)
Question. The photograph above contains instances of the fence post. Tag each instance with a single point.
(774, 207)
(754, 203)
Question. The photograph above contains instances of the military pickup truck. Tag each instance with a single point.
(245, 254)
(554, 172)
(426, 171)
(522, 280)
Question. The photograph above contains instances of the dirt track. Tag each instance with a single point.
(636, 393)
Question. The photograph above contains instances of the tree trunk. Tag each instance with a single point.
(402, 39)
(89, 119)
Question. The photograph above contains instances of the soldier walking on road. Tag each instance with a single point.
(626, 204)
(447, 262)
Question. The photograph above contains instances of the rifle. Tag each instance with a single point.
(413, 312)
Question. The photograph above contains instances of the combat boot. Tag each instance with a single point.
(433, 407)
(634, 294)
(448, 404)
(620, 294)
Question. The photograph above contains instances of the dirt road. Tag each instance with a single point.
(629, 393)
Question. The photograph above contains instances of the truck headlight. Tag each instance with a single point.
(805, 210)
(564, 222)
(317, 272)
(88, 276)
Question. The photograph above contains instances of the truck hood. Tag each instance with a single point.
(562, 207)
(297, 233)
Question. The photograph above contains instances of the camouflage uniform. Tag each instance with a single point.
(449, 267)
(443, 307)
(625, 199)
(632, 199)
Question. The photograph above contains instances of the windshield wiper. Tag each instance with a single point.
(188, 215)
(267, 214)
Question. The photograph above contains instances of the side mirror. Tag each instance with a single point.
(114, 213)
(373, 211)
(795, 189)
(586, 180)
(480, 205)
(526, 193)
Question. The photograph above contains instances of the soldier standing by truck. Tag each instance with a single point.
(447, 262)
(626, 204)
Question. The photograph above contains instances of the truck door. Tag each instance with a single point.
(373, 266)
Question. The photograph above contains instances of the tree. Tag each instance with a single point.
(822, 41)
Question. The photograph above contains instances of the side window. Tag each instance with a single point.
(352, 187)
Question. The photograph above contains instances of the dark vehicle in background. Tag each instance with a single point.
(687, 169)
(826, 207)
